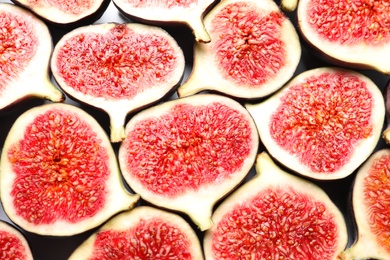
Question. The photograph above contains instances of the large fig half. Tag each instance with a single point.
(66, 13)
(187, 153)
(370, 200)
(59, 175)
(323, 124)
(254, 50)
(25, 49)
(352, 33)
(13, 245)
(118, 68)
(189, 12)
(276, 215)
(142, 233)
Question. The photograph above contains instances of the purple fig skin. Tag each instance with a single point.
(386, 132)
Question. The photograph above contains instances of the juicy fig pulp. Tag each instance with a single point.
(254, 50)
(276, 215)
(353, 33)
(187, 153)
(59, 174)
(13, 245)
(119, 68)
(25, 49)
(142, 233)
(370, 202)
(323, 124)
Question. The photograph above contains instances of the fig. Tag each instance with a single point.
(186, 154)
(370, 199)
(386, 132)
(119, 68)
(142, 233)
(276, 215)
(13, 245)
(66, 14)
(58, 174)
(188, 12)
(323, 124)
(347, 33)
(254, 50)
(25, 49)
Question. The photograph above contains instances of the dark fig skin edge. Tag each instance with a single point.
(89, 19)
(386, 132)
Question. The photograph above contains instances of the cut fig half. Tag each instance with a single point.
(254, 50)
(348, 33)
(118, 68)
(142, 233)
(186, 154)
(276, 215)
(189, 12)
(323, 124)
(25, 49)
(370, 201)
(66, 14)
(59, 175)
(13, 244)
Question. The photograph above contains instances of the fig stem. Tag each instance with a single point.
(48, 91)
(191, 86)
(117, 128)
(289, 5)
(201, 216)
(199, 30)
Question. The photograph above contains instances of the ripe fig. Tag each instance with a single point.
(25, 49)
(66, 14)
(370, 200)
(59, 174)
(386, 132)
(254, 50)
(323, 124)
(348, 33)
(142, 233)
(186, 154)
(189, 12)
(13, 245)
(118, 68)
(276, 215)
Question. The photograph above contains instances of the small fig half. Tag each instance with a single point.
(276, 215)
(187, 153)
(59, 174)
(370, 200)
(323, 124)
(118, 68)
(66, 14)
(254, 50)
(348, 33)
(25, 49)
(189, 12)
(13, 245)
(142, 233)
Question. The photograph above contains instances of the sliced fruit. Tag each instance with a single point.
(66, 13)
(187, 153)
(25, 49)
(189, 12)
(13, 245)
(370, 200)
(323, 124)
(118, 68)
(254, 50)
(276, 215)
(348, 33)
(59, 175)
(142, 233)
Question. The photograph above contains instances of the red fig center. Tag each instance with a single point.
(377, 200)
(248, 44)
(117, 65)
(60, 169)
(321, 119)
(351, 22)
(149, 239)
(11, 247)
(188, 147)
(18, 44)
